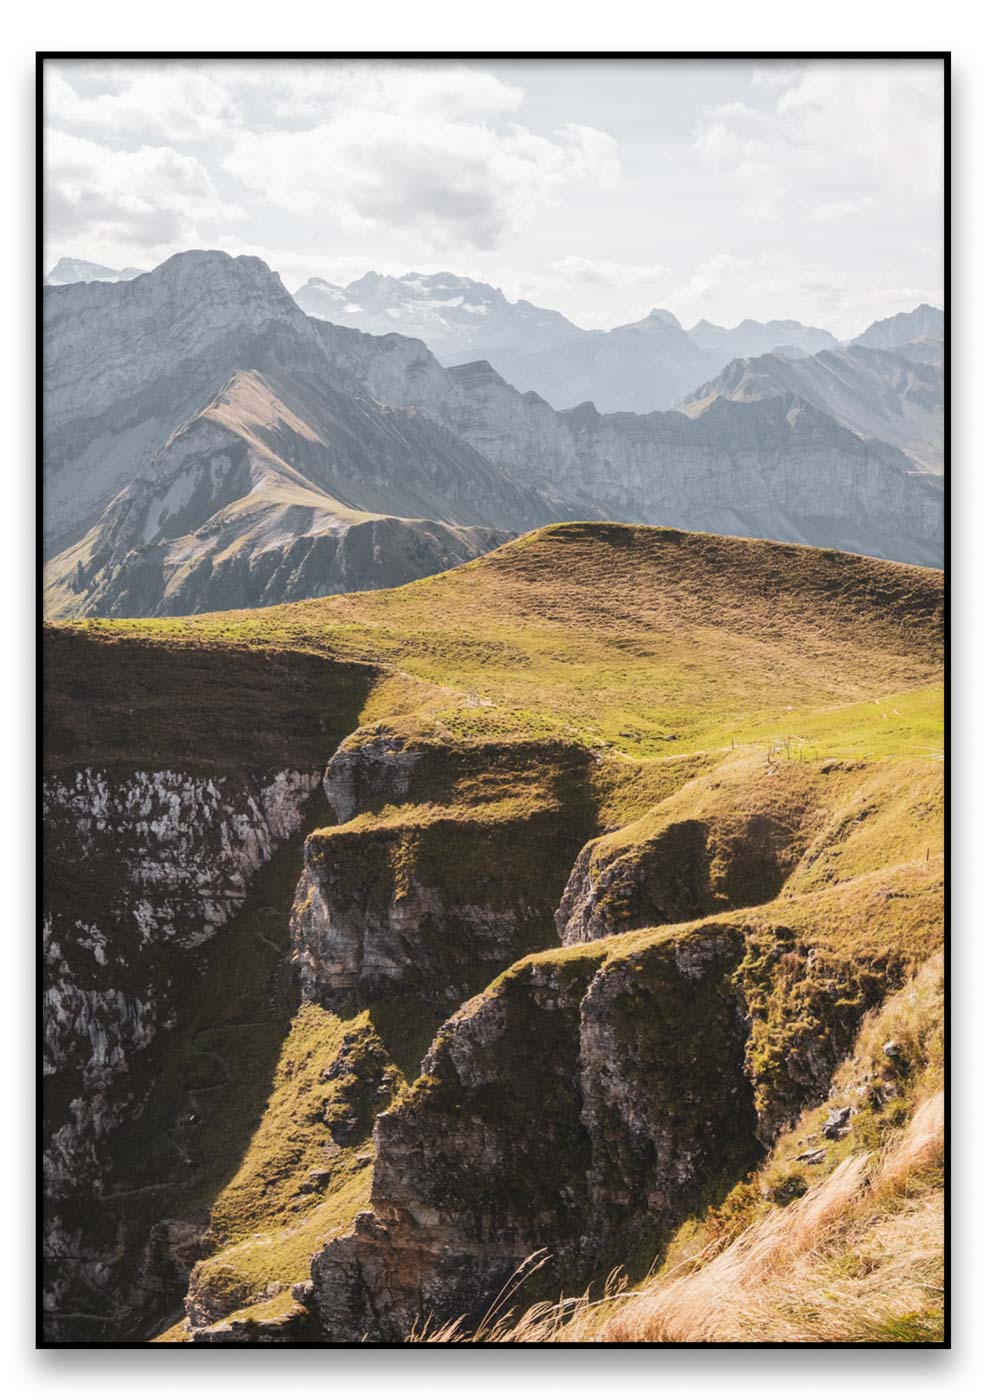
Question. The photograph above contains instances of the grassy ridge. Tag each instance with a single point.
(644, 640)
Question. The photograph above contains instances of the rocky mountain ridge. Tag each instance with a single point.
(635, 368)
(639, 367)
(877, 393)
(761, 337)
(453, 315)
(167, 341)
(923, 323)
(229, 451)
(214, 461)
(777, 468)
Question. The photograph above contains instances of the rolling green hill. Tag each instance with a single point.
(645, 641)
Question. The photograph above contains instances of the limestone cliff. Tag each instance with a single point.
(432, 899)
(150, 856)
(144, 868)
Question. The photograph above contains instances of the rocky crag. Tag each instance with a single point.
(212, 458)
(155, 833)
(886, 394)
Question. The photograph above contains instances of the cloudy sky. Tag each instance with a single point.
(719, 189)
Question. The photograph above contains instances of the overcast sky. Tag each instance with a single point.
(716, 188)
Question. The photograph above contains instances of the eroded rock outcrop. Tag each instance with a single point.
(551, 1114)
(428, 909)
(144, 867)
(612, 890)
(369, 773)
(445, 868)
(726, 840)
(588, 1101)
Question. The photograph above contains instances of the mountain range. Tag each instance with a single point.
(777, 468)
(455, 316)
(878, 393)
(923, 324)
(212, 459)
(645, 365)
(208, 444)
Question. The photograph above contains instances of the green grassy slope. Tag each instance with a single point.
(648, 641)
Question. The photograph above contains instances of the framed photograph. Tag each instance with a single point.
(492, 546)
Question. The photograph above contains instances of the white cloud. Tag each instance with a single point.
(428, 149)
(736, 143)
(710, 275)
(841, 209)
(312, 92)
(173, 102)
(775, 75)
(602, 272)
(850, 131)
(195, 101)
(128, 205)
(368, 170)
(881, 122)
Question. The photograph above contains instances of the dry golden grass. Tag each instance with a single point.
(859, 1258)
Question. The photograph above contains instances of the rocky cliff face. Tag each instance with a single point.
(157, 838)
(679, 871)
(877, 393)
(367, 776)
(127, 363)
(586, 1103)
(726, 840)
(368, 920)
(583, 1102)
(143, 868)
(429, 900)
(778, 468)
